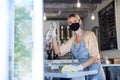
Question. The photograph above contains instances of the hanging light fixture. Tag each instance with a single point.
(45, 18)
(92, 16)
(78, 4)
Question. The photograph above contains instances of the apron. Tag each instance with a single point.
(80, 52)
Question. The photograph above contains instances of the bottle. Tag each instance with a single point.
(48, 35)
(106, 60)
(49, 32)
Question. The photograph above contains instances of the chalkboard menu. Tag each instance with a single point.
(108, 37)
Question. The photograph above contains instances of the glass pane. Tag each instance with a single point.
(23, 40)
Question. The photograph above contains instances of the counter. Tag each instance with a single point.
(61, 61)
(112, 71)
(69, 75)
(110, 65)
(69, 61)
(109, 69)
(54, 70)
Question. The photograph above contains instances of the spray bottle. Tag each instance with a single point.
(50, 30)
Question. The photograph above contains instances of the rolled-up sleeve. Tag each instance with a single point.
(92, 45)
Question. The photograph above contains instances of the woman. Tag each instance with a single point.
(83, 46)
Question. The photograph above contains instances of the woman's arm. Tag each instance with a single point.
(92, 45)
(90, 61)
(56, 46)
(63, 49)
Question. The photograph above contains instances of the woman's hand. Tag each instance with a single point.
(71, 68)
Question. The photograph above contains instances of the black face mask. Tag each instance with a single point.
(74, 26)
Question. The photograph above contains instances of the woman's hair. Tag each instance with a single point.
(74, 15)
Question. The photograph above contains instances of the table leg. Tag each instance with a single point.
(107, 73)
(48, 78)
(79, 78)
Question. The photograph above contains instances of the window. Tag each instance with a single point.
(23, 40)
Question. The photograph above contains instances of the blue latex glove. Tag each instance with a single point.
(71, 68)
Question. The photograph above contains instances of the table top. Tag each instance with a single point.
(108, 65)
(58, 74)
(63, 62)
(60, 61)
(69, 75)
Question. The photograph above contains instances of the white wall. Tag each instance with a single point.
(4, 39)
(117, 10)
(37, 35)
(89, 24)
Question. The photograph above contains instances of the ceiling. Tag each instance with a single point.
(59, 9)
